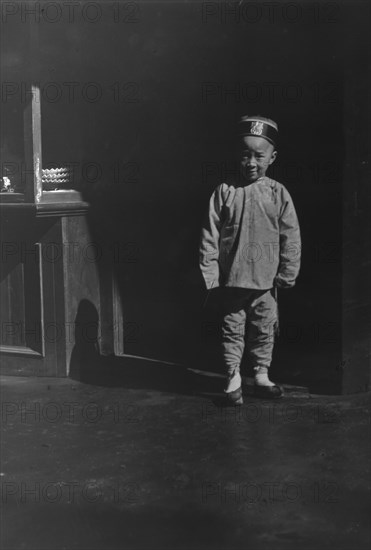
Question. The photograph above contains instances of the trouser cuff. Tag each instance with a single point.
(233, 381)
(261, 370)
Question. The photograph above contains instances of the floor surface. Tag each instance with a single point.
(162, 464)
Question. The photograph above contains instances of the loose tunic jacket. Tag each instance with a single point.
(250, 237)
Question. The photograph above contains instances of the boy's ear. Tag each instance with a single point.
(273, 157)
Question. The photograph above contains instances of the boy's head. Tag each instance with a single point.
(257, 138)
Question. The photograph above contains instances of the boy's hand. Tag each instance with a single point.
(282, 283)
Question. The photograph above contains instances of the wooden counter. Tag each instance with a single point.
(57, 290)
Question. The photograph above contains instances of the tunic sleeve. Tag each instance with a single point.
(209, 242)
(290, 243)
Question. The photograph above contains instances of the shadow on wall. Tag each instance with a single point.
(90, 366)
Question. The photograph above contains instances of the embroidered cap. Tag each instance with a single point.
(258, 126)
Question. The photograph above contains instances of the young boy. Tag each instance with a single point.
(250, 245)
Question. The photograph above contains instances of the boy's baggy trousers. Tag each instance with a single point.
(249, 318)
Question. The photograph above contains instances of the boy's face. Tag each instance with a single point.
(256, 155)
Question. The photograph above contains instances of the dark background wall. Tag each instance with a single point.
(172, 79)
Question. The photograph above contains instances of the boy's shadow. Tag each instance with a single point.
(89, 366)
